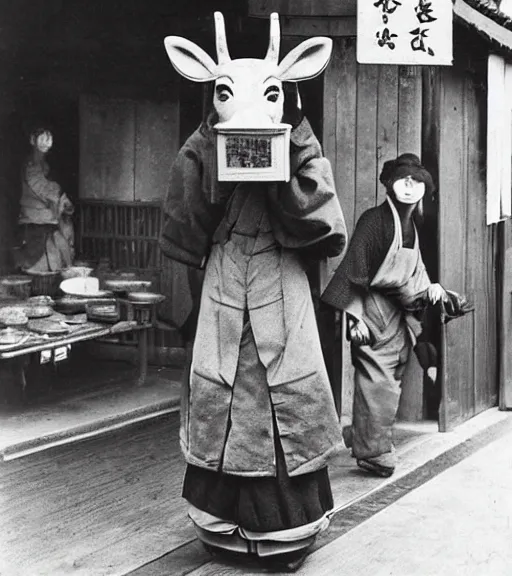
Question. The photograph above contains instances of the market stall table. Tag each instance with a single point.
(37, 343)
(139, 318)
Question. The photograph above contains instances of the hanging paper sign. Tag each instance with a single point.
(405, 32)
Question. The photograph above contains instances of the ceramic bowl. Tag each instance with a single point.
(13, 316)
(17, 285)
(41, 301)
(146, 297)
(102, 311)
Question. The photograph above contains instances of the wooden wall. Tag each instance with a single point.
(372, 113)
(127, 147)
(467, 246)
(330, 8)
(505, 315)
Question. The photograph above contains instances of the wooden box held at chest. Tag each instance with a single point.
(253, 154)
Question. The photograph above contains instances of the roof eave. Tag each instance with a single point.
(486, 20)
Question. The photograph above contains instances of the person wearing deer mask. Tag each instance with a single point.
(258, 418)
(380, 283)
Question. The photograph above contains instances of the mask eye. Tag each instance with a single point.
(272, 93)
(224, 92)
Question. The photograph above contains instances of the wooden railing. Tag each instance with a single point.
(127, 233)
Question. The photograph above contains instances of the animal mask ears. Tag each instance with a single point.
(304, 62)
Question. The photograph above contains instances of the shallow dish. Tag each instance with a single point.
(15, 280)
(146, 297)
(46, 326)
(13, 316)
(38, 311)
(76, 319)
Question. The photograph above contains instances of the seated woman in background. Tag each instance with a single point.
(47, 237)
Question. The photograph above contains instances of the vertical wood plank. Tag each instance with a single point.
(107, 154)
(366, 143)
(467, 392)
(452, 175)
(346, 155)
(505, 383)
(475, 243)
(345, 84)
(457, 372)
(387, 122)
(398, 131)
(339, 133)
(156, 146)
(339, 140)
(480, 277)
(409, 110)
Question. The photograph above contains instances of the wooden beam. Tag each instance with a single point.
(483, 24)
(321, 26)
(331, 8)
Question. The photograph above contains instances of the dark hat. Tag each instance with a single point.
(406, 165)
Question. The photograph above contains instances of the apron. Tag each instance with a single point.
(379, 367)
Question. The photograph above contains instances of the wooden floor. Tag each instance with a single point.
(81, 407)
(112, 504)
(105, 506)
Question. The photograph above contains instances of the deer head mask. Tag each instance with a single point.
(249, 87)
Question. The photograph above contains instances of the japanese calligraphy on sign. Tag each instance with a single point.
(405, 32)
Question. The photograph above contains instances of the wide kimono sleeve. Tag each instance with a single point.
(47, 191)
(190, 215)
(192, 211)
(305, 212)
(366, 252)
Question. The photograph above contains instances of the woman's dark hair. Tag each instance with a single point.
(36, 132)
(406, 165)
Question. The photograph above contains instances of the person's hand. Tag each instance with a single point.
(359, 332)
(436, 292)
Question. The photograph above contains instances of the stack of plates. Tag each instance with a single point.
(146, 297)
(103, 311)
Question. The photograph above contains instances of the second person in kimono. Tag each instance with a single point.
(379, 284)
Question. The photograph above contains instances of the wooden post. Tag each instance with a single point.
(505, 315)
(143, 356)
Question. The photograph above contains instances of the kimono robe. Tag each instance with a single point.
(380, 282)
(258, 398)
(45, 219)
